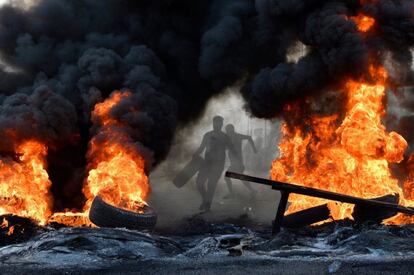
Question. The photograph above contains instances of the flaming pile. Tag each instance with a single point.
(116, 173)
(116, 168)
(26, 192)
(349, 154)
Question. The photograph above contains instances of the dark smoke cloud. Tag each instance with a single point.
(396, 33)
(42, 115)
(83, 50)
(336, 49)
(174, 55)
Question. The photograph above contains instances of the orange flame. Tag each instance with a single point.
(408, 187)
(116, 168)
(4, 223)
(364, 23)
(349, 155)
(116, 173)
(10, 231)
(25, 184)
(75, 219)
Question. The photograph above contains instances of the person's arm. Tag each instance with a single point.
(250, 140)
(203, 146)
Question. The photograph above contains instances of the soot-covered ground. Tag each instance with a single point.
(200, 247)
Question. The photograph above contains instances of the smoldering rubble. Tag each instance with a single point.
(213, 248)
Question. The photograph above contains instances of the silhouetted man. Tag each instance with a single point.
(236, 157)
(215, 143)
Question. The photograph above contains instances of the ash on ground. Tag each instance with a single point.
(198, 246)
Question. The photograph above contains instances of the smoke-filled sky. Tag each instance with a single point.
(174, 56)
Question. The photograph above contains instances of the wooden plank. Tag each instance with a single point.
(307, 217)
(280, 213)
(313, 192)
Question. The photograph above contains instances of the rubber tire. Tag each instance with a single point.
(103, 214)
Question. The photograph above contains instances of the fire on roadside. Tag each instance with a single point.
(351, 154)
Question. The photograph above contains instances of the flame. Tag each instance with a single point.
(68, 218)
(25, 184)
(364, 23)
(408, 188)
(116, 167)
(10, 231)
(4, 223)
(116, 173)
(348, 155)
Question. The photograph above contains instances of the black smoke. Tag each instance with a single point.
(174, 55)
(337, 50)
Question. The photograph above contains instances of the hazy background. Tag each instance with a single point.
(175, 205)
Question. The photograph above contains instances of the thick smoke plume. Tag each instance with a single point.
(174, 55)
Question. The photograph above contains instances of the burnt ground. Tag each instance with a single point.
(231, 266)
(200, 247)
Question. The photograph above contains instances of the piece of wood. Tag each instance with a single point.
(307, 217)
(313, 192)
(188, 171)
(364, 213)
(280, 212)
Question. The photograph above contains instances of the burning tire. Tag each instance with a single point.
(103, 214)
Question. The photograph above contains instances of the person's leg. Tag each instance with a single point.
(201, 185)
(211, 189)
(212, 181)
(229, 187)
(229, 184)
(253, 192)
(247, 184)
